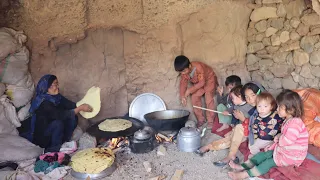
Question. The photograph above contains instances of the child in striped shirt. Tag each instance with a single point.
(289, 148)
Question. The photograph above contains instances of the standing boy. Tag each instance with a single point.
(204, 82)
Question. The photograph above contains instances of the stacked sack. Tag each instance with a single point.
(14, 73)
(16, 91)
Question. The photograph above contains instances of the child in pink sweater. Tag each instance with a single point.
(289, 148)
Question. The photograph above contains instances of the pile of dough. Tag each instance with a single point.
(114, 125)
(92, 161)
(92, 98)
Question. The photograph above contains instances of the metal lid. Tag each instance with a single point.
(142, 135)
(144, 104)
(189, 131)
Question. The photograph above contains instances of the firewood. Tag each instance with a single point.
(177, 175)
(158, 178)
(164, 137)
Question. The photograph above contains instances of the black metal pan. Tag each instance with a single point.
(96, 132)
(167, 119)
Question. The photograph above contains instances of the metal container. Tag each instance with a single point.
(103, 174)
(167, 120)
(189, 139)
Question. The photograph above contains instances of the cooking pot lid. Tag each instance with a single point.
(142, 135)
(144, 104)
(189, 131)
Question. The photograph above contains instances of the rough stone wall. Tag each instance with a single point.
(284, 48)
(126, 63)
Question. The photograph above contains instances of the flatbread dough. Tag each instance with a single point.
(91, 98)
(114, 125)
(92, 161)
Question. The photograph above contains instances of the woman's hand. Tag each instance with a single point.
(239, 115)
(83, 107)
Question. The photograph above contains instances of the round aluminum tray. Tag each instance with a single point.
(144, 104)
(104, 173)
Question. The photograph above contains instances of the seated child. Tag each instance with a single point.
(225, 104)
(290, 146)
(266, 124)
(239, 105)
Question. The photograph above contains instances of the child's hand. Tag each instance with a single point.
(239, 115)
(267, 148)
(276, 138)
(220, 90)
(226, 113)
(184, 101)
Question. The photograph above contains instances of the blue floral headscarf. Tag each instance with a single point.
(42, 95)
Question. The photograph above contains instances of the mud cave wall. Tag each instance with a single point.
(127, 47)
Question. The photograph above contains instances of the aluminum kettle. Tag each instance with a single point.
(189, 139)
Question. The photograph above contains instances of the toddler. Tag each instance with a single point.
(290, 146)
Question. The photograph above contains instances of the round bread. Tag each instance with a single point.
(114, 125)
(93, 160)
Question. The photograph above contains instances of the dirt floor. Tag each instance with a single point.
(130, 166)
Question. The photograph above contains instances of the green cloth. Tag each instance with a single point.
(259, 164)
(222, 118)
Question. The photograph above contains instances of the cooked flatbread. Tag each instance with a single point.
(114, 125)
(92, 98)
(92, 161)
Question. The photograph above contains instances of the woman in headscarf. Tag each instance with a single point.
(53, 116)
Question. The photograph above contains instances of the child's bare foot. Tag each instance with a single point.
(238, 175)
(204, 149)
(235, 166)
(223, 127)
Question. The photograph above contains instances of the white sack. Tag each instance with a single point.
(10, 111)
(19, 96)
(15, 148)
(23, 113)
(10, 41)
(14, 67)
(6, 127)
(2, 89)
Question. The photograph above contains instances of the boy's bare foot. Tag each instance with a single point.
(235, 166)
(238, 175)
(223, 127)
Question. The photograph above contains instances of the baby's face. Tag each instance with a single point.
(264, 108)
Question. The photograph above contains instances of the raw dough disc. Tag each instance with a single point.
(91, 98)
(114, 125)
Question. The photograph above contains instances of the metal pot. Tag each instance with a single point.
(167, 120)
(142, 135)
(189, 139)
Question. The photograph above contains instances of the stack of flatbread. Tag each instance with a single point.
(92, 161)
(114, 125)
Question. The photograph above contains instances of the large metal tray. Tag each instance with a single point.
(145, 103)
(103, 174)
